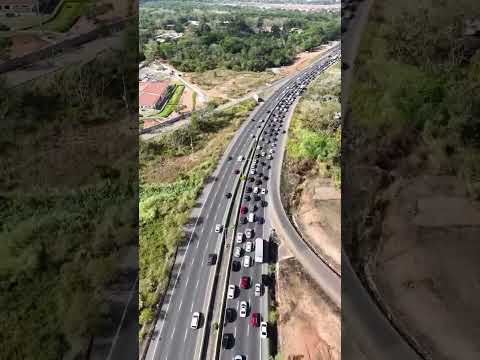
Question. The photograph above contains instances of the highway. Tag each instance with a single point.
(191, 279)
(246, 338)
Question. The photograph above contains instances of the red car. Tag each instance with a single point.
(255, 319)
(243, 209)
(244, 282)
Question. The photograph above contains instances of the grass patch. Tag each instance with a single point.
(172, 103)
(69, 12)
(315, 134)
(173, 169)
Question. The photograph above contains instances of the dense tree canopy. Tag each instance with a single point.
(239, 39)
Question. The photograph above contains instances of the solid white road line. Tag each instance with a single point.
(191, 308)
(185, 337)
(181, 302)
(196, 286)
(173, 332)
(248, 330)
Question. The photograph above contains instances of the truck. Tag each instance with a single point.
(259, 250)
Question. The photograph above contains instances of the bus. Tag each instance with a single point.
(259, 250)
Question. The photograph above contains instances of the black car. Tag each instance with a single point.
(243, 220)
(264, 203)
(253, 208)
(258, 182)
(212, 258)
(246, 198)
(236, 171)
(228, 195)
(257, 197)
(229, 158)
(227, 340)
(284, 131)
(235, 265)
(265, 178)
(251, 179)
(248, 189)
(230, 315)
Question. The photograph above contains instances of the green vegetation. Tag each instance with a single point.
(173, 169)
(172, 103)
(68, 13)
(430, 97)
(315, 133)
(64, 221)
(236, 39)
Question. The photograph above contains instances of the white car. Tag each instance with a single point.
(271, 151)
(263, 153)
(255, 190)
(239, 237)
(263, 330)
(231, 291)
(243, 309)
(249, 233)
(259, 147)
(247, 261)
(248, 246)
(240, 158)
(253, 172)
(255, 162)
(238, 357)
(263, 191)
(237, 252)
(218, 228)
(269, 157)
(251, 217)
(258, 289)
(195, 320)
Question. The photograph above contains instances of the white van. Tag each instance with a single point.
(251, 217)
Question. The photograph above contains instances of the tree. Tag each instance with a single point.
(151, 50)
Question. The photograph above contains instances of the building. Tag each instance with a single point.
(152, 93)
(17, 6)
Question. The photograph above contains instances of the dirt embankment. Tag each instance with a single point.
(309, 324)
(425, 266)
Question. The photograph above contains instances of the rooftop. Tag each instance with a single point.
(149, 92)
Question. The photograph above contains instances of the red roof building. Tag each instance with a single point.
(151, 93)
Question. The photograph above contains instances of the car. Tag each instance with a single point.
(263, 330)
(253, 172)
(227, 340)
(237, 252)
(258, 182)
(263, 191)
(229, 314)
(243, 309)
(244, 282)
(228, 195)
(212, 258)
(258, 289)
(269, 157)
(243, 220)
(236, 172)
(195, 320)
(231, 291)
(259, 147)
(251, 217)
(251, 179)
(264, 203)
(271, 151)
(259, 126)
(247, 198)
(255, 190)
(238, 357)
(253, 208)
(239, 238)
(248, 189)
(247, 261)
(265, 178)
(243, 209)
(240, 158)
(253, 136)
(249, 233)
(248, 246)
(257, 197)
(255, 161)
(263, 153)
(218, 228)
(255, 319)
(236, 265)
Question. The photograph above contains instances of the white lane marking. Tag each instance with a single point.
(198, 243)
(191, 307)
(248, 330)
(235, 332)
(181, 302)
(173, 332)
(196, 287)
(238, 305)
(185, 337)
(178, 275)
(186, 284)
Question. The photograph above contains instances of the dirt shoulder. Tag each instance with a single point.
(309, 324)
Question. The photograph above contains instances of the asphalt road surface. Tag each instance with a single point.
(173, 338)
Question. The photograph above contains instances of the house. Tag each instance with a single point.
(152, 93)
(17, 6)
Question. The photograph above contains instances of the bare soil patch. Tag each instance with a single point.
(309, 324)
(318, 217)
(302, 61)
(426, 264)
(25, 43)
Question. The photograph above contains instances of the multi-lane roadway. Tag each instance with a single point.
(191, 281)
